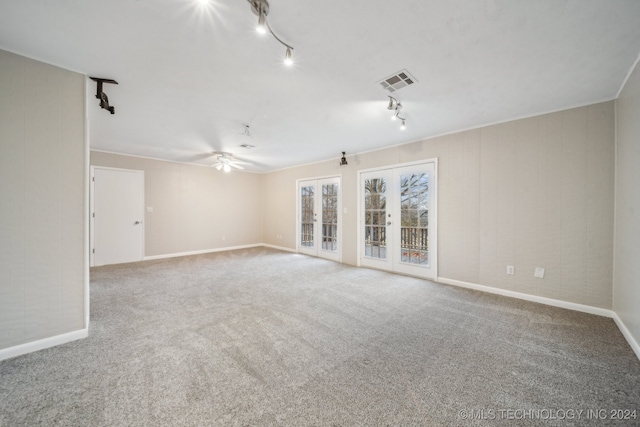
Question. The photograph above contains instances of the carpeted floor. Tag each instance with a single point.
(262, 337)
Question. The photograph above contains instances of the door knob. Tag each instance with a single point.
(388, 222)
(136, 223)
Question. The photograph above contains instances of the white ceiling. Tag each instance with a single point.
(191, 75)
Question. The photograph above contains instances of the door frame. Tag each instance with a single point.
(340, 225)
(360, 209)
(92, 183)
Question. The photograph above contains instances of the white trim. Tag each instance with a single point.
(30, 347)
(318, 182)
(452, 132)
(358, 220)
(87, 207)
(626, 78)
(280, 248)
(399, 165)
(92, 209)
(528, 297)
(205, 251)
(552, 302)
(165, 160)
(615, 203)
(627, 334)
(360, 210)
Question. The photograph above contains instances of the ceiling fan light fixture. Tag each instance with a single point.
(226, 161)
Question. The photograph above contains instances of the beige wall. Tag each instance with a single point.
(531, 193)
(195, 208)
(626, 288)
(42, 188)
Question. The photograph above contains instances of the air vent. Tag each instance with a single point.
(397, 81)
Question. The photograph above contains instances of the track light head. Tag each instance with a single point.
(343, 160)
(287, 57)
(262, 24)
(403, 126)
(396, 107)
(392, 103)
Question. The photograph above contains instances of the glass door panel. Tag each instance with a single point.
(414, 212)
(307, 216)
(413, 199)
(375, 214)
(330, 217)
(376, 219)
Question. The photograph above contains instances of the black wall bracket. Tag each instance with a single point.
(104, 100)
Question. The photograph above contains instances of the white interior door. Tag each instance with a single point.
(117, 216)
(319, 218)
(398, 219)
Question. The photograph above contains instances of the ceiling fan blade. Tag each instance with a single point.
(217, 165)
(233, 165)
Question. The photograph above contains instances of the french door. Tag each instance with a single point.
(397, 212)
(319, 218)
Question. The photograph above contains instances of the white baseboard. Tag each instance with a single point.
(280, 248)
(206, 251)
(553, 302)
(627, 334)
(542, 300)
(30, 347)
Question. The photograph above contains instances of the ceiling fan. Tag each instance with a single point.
(225, 161)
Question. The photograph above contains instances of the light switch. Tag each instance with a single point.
(539, 273)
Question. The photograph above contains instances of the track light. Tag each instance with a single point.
(396, 106)
(287, 58)
(261, 9)
(343, 160)
(392, 103)
(262, 27)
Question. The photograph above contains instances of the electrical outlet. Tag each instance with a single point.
(511, 269)
(539, 273)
